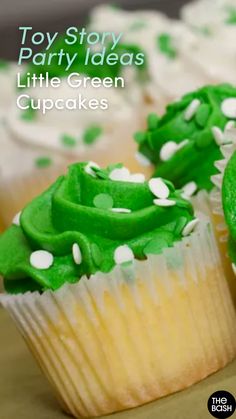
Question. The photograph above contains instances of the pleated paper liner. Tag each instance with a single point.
(218, 214)
(122, 339)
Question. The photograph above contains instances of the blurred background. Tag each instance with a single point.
(50, 15)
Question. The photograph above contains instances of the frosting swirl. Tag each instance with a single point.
(229, 204)
(88, 221)
(184, 143)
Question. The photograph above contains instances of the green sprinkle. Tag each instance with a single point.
(155, 246)
(91, 134)
(152, 121)
(166, 45)
(43, 162)
(205, 139)
(96, 254)
(101, 173)
(68, 140)
(140, 137)
(4, 65)
(103, 201)
(29, 114)
(205, 30)
(231, 18)
(202, 115)
(137, 25)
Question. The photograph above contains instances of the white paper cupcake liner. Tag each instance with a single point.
(122, 339)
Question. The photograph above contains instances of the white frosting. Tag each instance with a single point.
(18, 159)
(8, 84)
(215, 55)
(207, 13)
(169, 78)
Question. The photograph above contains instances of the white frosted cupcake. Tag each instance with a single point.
(103, 279)
(7, 83)
(212, 50)
(170, 74)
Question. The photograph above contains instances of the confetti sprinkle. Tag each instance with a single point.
(141, 159)
(158, 188)
(189, 189)
(164, 202)
(91, 134)
(121, 210)
(41, 259)
(123, 254)
(228, 107)
(190, 227)
(121, 175)
(89, 168)
(16, 219)
(77, 255)
(43, 162)
(68, 141)
(191, 110)
(218, 135)
(103, 201)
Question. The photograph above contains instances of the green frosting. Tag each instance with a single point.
(229, 204)
(195, 161)
(77, 208)
(166, 45)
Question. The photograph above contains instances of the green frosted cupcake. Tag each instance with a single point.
(102, 277)
(184, 144)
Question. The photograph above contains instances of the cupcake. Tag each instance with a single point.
(8, 84)
(212, 50)
(24, 172)
(102, 277)
(36, 146)
(90, 128)
(223, 203)
(170, 74)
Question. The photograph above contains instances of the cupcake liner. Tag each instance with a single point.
(218, 215)
(140, 332)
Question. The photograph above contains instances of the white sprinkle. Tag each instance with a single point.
(164, 202)
(182, 144)
(137, 178)
(189, 189)
(77, 255)
(41, 259)
(228, 107)
(234, 268)
(190, 227)
(121, 174)
(192, 109)
(218, 135)
(16, 219)
(141, 159)
(229, 125)
(123, 254)
(168, 150)
(124, 210)
(158, 188)
(89, 168)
